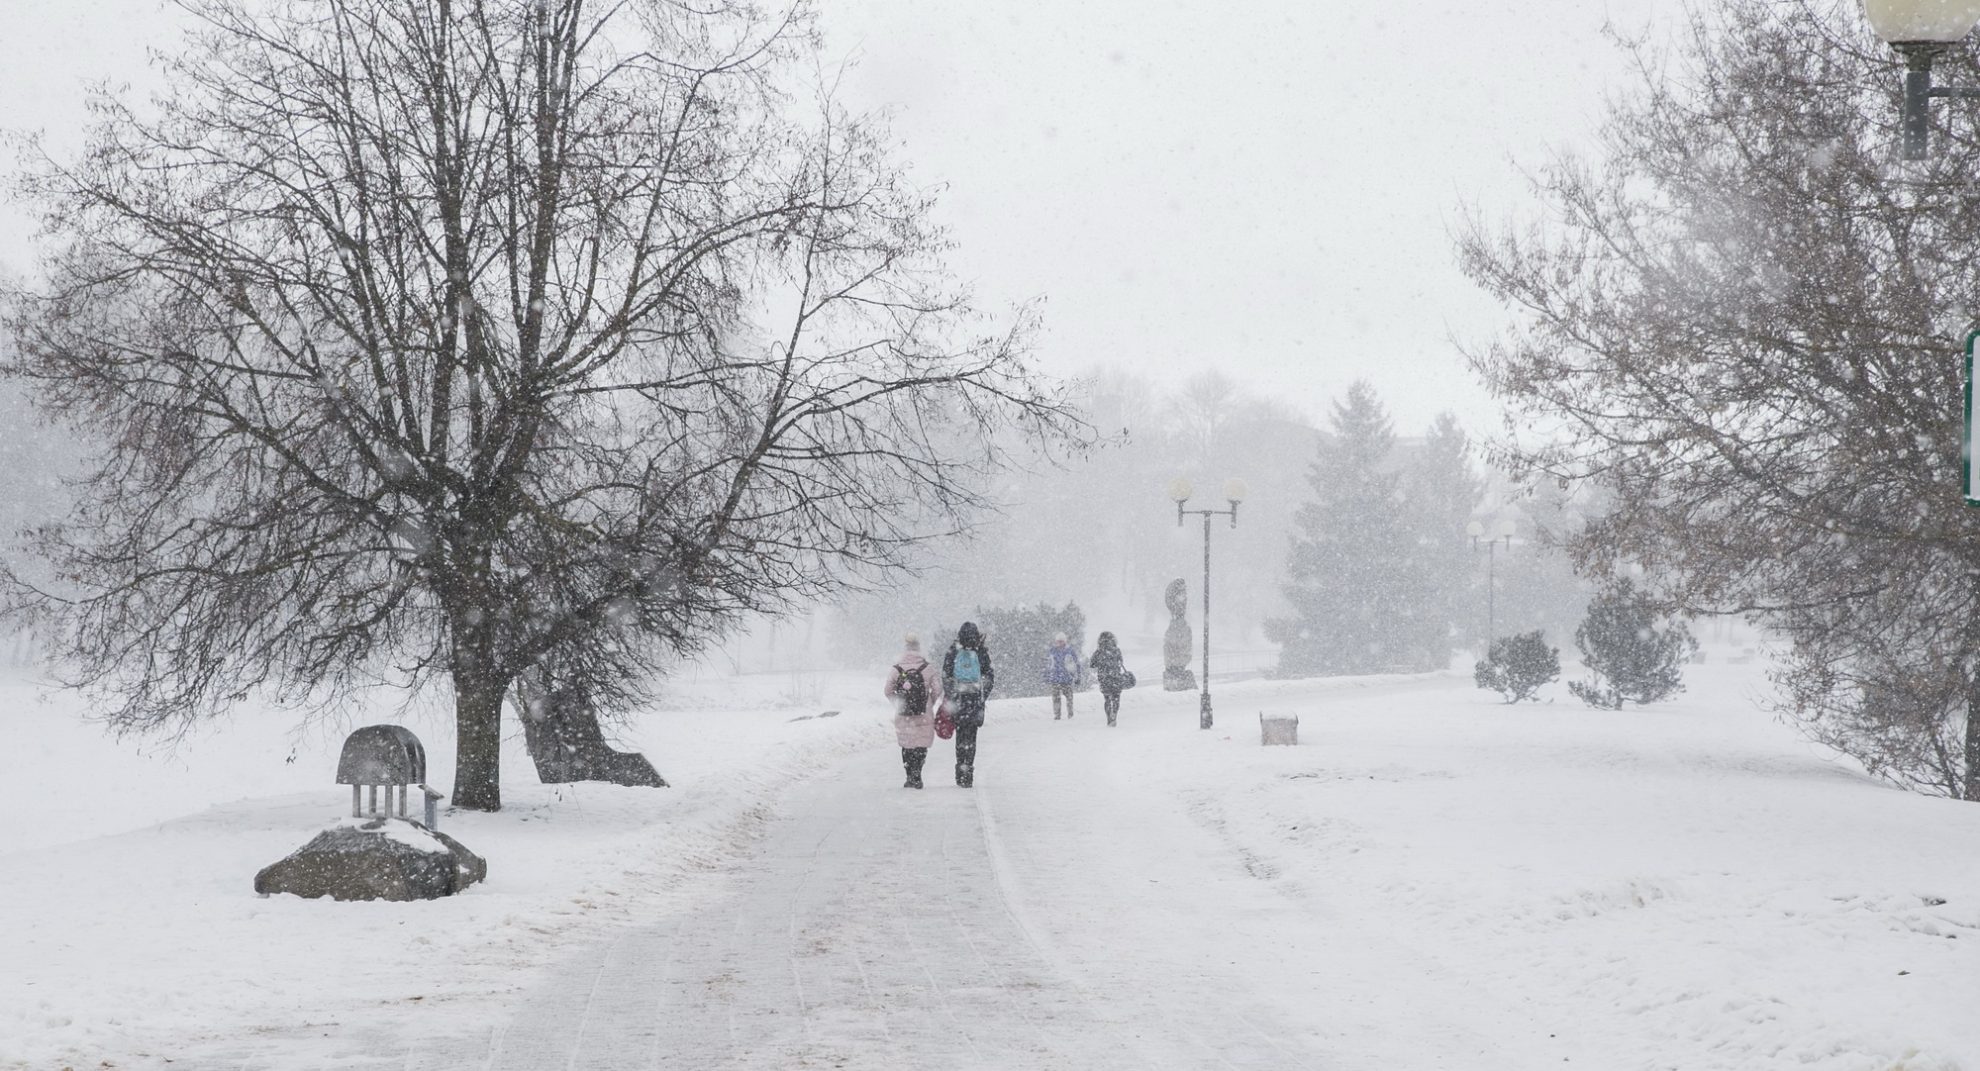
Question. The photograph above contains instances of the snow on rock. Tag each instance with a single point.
(374, 858)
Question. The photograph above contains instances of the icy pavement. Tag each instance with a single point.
(1071, 911)
(881, 927)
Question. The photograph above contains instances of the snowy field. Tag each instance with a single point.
(1430, 880)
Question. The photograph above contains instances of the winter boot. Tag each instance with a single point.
(915, 757)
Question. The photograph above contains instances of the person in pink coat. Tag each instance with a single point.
(915, 687)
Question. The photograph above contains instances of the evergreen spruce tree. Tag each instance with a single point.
(1352, 575)
(1441, 492)
(1636, 653)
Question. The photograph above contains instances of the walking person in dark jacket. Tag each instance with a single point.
(1062, 673)
(968, 679)
(1111, 674)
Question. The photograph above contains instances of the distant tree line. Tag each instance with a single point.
(1350, 553)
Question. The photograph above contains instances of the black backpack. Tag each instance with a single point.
(912, 688)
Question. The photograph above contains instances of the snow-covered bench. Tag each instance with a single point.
(388, 757)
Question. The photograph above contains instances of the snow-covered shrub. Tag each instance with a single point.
(1518, 666)
(1636, 653)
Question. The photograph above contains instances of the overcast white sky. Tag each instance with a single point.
(1266, 187)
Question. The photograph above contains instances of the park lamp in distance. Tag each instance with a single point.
(1180, 489)
(1919, 30)
(1502, 530)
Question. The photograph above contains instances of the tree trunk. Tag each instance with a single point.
(1970, 774)
(1971, 786)
(477, 746)
(568, 744)
(565, 739)
(1971, 759)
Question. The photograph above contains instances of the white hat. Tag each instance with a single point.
(912, 642)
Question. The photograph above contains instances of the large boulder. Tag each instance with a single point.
(375, 859)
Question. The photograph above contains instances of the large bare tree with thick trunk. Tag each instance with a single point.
(1745, 319)
(435, 337)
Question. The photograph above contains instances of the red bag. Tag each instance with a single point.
(945, 724)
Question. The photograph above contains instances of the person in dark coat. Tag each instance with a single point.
(967, 678)
(1110, 672)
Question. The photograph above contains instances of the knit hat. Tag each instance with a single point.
(912, 642)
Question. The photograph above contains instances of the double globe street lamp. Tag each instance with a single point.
(1919, 30)
(1180, 490)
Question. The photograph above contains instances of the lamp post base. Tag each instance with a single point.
(1203, 717)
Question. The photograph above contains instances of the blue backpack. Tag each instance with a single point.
(968, 669)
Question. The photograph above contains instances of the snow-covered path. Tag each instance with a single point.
(880, 927)
(1068, 912)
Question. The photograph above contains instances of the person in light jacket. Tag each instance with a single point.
(915, 688)
(967, 676)
(1062, 673)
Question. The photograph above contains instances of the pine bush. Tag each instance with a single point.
(1636, 653)
(1518, 666)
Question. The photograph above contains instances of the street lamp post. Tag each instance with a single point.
(1502, 531)
(1180, 490)
(1920, 30)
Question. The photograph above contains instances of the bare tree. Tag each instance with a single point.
(1200, 410)
(438, 336)
(1744, 319)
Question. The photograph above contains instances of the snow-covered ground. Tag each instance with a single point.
(1430, 880)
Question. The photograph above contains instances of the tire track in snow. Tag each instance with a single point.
(1011, 896)
(1098, 828)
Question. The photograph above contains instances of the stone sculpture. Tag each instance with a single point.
(1178, 641)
